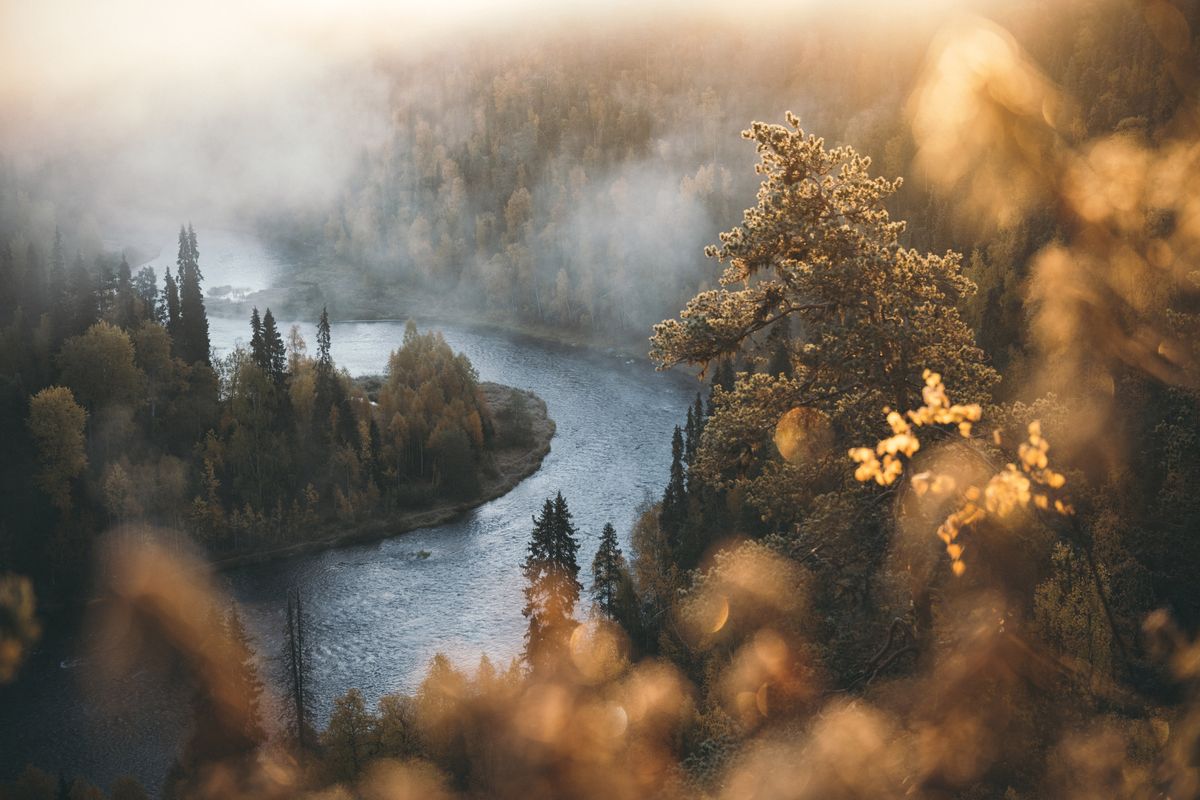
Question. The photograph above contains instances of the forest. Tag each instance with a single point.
(924, 530)
(118, 413)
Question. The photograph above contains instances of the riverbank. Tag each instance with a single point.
(506, 469)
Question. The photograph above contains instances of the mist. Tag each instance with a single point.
(910, 514)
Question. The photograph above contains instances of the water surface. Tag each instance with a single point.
(379, 611)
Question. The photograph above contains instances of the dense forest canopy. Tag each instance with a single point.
(929, 530)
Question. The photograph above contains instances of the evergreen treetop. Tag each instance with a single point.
(552, 583)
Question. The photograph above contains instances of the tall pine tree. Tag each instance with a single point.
(606, 572)
(170, 306)
(552, 584)
(194, 341)
(333, 418)
(274, 353)
(257, 355)
(673, 513)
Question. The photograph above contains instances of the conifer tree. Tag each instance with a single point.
(126, 300)
(194, 342)
(295, 658)
(170, 305)
(693, 444)
(257, 355)
(552, 585)
(145, 285)
(820, 246)
(673, 513)
(325, 379)
(274, 353)
(606, 571)
(332, 417)
(692, 430)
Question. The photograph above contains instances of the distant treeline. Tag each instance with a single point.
(580, 195)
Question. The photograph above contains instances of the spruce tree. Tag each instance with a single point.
(257, 355)
(170, 305)
(145, 284)
(323, 400)
(274, 353)
(696, 416)
(673, 513)
(194, 342)
(333, 418)
(606, 572)
(295, 660)
(552, 585)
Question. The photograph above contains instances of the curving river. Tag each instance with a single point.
(379, 611)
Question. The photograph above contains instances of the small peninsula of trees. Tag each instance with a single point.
(118, 412)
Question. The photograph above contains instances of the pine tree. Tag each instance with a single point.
(673, 513)
(325, 378)
(295, 658)
(552, 586)
(332, 417)
(821, 246)
(170, 305)
(606, 571)
(692, 442)
(324, 341)
(126, 300)
(689, 435)
(194, 344)
(274, 353)
(257, 355)
(145, 284)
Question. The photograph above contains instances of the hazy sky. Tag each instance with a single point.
(184, 104)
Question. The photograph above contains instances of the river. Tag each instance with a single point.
(379, 611)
